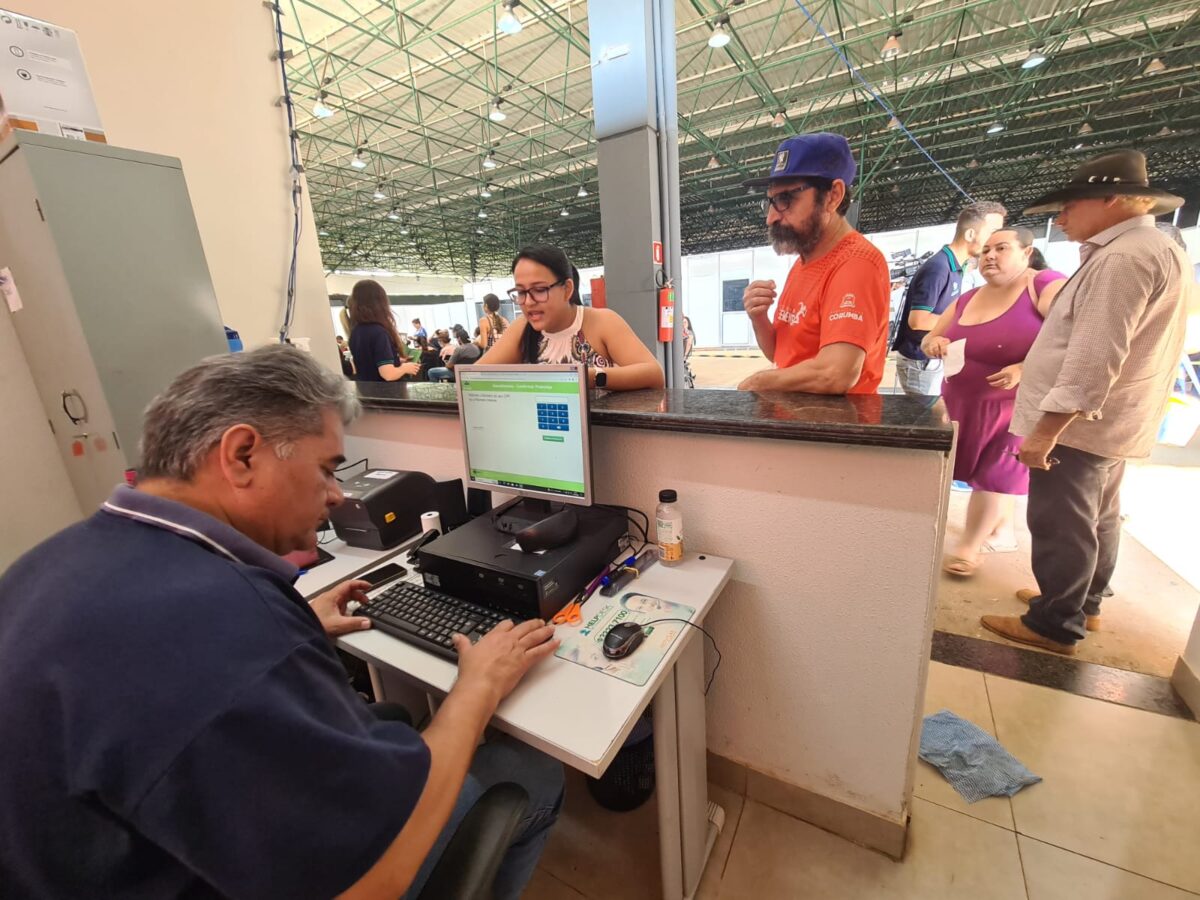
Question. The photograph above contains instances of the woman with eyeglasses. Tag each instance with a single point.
(556, 328)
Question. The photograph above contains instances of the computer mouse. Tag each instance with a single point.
(553, 531)
(622, 639)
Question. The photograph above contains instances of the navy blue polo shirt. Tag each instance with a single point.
(371, 347)
(177, 724)
(936, 285)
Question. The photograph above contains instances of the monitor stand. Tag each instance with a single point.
(520, 514)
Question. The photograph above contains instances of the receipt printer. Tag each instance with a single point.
(383, 508)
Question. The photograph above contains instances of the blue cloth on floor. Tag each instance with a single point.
(971, 759)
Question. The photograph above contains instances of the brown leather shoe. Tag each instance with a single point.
(1027, 594)
(1014, 629)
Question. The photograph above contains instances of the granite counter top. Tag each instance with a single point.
(878, 420)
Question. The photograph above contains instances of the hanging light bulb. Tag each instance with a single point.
(482, 214)
(564, 212)
(1086, 128)
(489, 161)
(720, 34)
(891, 47)
(497, 114)
(379, 194)
(995, 128)
(1035, 58)
(359, 161)
(320, 109)
(486, 192)
(713, 163)
(779, 121)
(509, 23)
(551, 229)
(1154, 67)
(582, 192)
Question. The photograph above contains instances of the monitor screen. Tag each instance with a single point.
(525, 430)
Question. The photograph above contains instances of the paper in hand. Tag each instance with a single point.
(955, 357)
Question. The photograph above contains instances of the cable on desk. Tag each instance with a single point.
(699, 628)
(643, 528)
(364, 462)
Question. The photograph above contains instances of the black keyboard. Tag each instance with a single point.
(426, 618)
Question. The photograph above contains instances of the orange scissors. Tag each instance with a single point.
(572, 613)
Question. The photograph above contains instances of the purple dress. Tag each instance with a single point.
(985, 459)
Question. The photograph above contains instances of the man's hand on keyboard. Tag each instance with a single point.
(500, 658)
(330, 608)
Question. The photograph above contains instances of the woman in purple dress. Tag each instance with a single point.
(999, 322)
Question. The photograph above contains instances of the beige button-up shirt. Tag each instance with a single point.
(1111, 343)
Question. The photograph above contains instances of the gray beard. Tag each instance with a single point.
(787, 240)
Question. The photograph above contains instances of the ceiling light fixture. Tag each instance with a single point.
(486, 192)
(404, 229)
(1165, 131)
(323, 233)
(995, 128)
(482, 214)
(320, 109)
(713, 163)
(1035, 58)
(1086, 128)
(1154, 67)
(489, 161)
(720, 34)
(551, 229)
(564, 212)
(582, 192)
(891, 47)
(510, 22)
(359, 160)
(497, 114)
(893, 123)
(973, 164)
(479, 231)
(394, 216)
(779, 121)
(379, 194)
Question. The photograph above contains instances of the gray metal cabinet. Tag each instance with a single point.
(115, 292)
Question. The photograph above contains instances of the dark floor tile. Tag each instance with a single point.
(1075, 676)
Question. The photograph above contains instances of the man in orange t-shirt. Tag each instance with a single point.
(829, 335)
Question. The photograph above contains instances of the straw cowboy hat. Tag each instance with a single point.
(1119, 172)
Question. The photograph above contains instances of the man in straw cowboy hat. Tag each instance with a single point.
(1093, 391)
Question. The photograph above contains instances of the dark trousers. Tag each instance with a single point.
(1074, 518)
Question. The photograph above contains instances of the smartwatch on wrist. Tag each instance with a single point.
(601, 379)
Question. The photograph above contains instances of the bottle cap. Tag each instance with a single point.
(667, 496)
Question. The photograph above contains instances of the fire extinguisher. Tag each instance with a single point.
(666, 313)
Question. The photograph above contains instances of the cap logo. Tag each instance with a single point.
(1103, 178)
(781, 159)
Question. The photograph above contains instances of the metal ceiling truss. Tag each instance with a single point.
(412, 85)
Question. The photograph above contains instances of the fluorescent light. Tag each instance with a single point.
(358, 161)
(564, 212)
(489, 161)
(1154, 67)
(497, 114)
(720, 34)
(320, 110)
(486, 192)
(1035, 58)
(582, 192)
(995, 128)
(509, 23)
(891, 47)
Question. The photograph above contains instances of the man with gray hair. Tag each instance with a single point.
(1093, 390)
(177, 722)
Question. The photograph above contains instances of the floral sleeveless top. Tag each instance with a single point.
(570, 346)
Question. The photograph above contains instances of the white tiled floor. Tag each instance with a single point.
(1116, 818)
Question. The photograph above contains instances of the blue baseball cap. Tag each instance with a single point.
(820, 155)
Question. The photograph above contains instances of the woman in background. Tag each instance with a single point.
(374, 342)
(492, 325)
(999, 322)
(556, 328)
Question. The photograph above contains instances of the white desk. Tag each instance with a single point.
(582, 717)
(347, 562)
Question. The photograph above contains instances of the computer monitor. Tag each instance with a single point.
(525, 432)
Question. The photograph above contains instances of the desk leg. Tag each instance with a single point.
(688, 825)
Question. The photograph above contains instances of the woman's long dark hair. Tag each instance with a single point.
(491, 307)
(369, 303)
(558, 263)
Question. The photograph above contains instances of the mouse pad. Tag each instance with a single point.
(581, 644)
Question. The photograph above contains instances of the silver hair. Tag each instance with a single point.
(278, 390)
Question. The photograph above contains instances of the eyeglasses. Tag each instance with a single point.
(538, 294)
(783, 199)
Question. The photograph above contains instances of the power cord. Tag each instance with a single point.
(628, 510)
(699, 628)
(364, 462)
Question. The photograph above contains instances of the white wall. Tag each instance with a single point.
(825, 626)
(195, 81)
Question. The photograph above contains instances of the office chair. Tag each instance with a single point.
(469, 863)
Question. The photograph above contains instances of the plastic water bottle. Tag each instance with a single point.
(668, 525)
